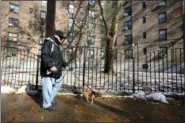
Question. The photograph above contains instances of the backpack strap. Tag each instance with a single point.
(53, 43)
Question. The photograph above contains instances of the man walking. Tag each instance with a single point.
(52, 63)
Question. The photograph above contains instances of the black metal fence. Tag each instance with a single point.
(18, 67)
(157, 71)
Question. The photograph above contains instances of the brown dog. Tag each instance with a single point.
(89, 93)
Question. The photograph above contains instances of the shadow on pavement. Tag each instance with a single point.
(37, 98)
(110, 108)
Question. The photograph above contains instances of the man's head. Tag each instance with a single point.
(59, 35)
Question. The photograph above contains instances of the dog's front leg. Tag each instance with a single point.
(86, 98)
(92, 99)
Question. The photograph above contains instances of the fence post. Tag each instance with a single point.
(84, 67)
(133, 74)
(183, 3)
(0, 56)
(37, 74)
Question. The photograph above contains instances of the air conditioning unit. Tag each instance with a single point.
(125, 14)
(161, 3)
(10, 25)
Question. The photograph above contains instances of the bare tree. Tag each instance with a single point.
(78, 28)
(3, 32)
(110, 34)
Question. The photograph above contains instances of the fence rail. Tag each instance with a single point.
(155, 71)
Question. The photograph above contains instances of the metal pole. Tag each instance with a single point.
(183, 4)
(0, 54)
(37, 74)
(84, 61)
(184, 29)
(133, 74)
(38, 56)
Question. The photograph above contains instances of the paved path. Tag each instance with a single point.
(24, 108)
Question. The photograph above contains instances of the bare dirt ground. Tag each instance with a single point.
(24, 108)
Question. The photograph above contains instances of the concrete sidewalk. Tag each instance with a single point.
(24, 108)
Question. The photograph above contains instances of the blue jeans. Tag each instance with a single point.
(50, 88)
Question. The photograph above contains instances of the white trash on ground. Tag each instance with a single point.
(26, 89)
(158, 96)
(140, 95)
(7, 90)
(22, 90)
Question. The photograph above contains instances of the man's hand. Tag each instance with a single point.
(53, 69)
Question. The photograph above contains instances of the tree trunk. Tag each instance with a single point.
(110, 42)
(50, 18)
(108, 56)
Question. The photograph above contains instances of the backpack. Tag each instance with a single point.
(43, 42)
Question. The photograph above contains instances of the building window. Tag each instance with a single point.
(128, 53)
(42, 14)
(70, 22)
(70, 37)
(128, 39)
(144, 50)
(91, 40)
(128, 25)
(114, 3)
(163, 34)
(43, 3)
(163, 51)
(144, 19)
(143, 5)
(71, 8)
(13, 22)
(161, 2)
(71, 15)
(144, 35)
(11, 48)
(91, 2)
(127, 11)
(162, 18)
(12, 36)
(30, 10)
(14, 8)
(91, 14)
(91, 27)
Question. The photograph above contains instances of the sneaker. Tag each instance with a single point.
(50, 108)
(54, 103)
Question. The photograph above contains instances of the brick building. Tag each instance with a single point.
(144, 26)
(151, 26)
(23, 22)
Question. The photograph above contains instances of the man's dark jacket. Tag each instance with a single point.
(52, 57)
